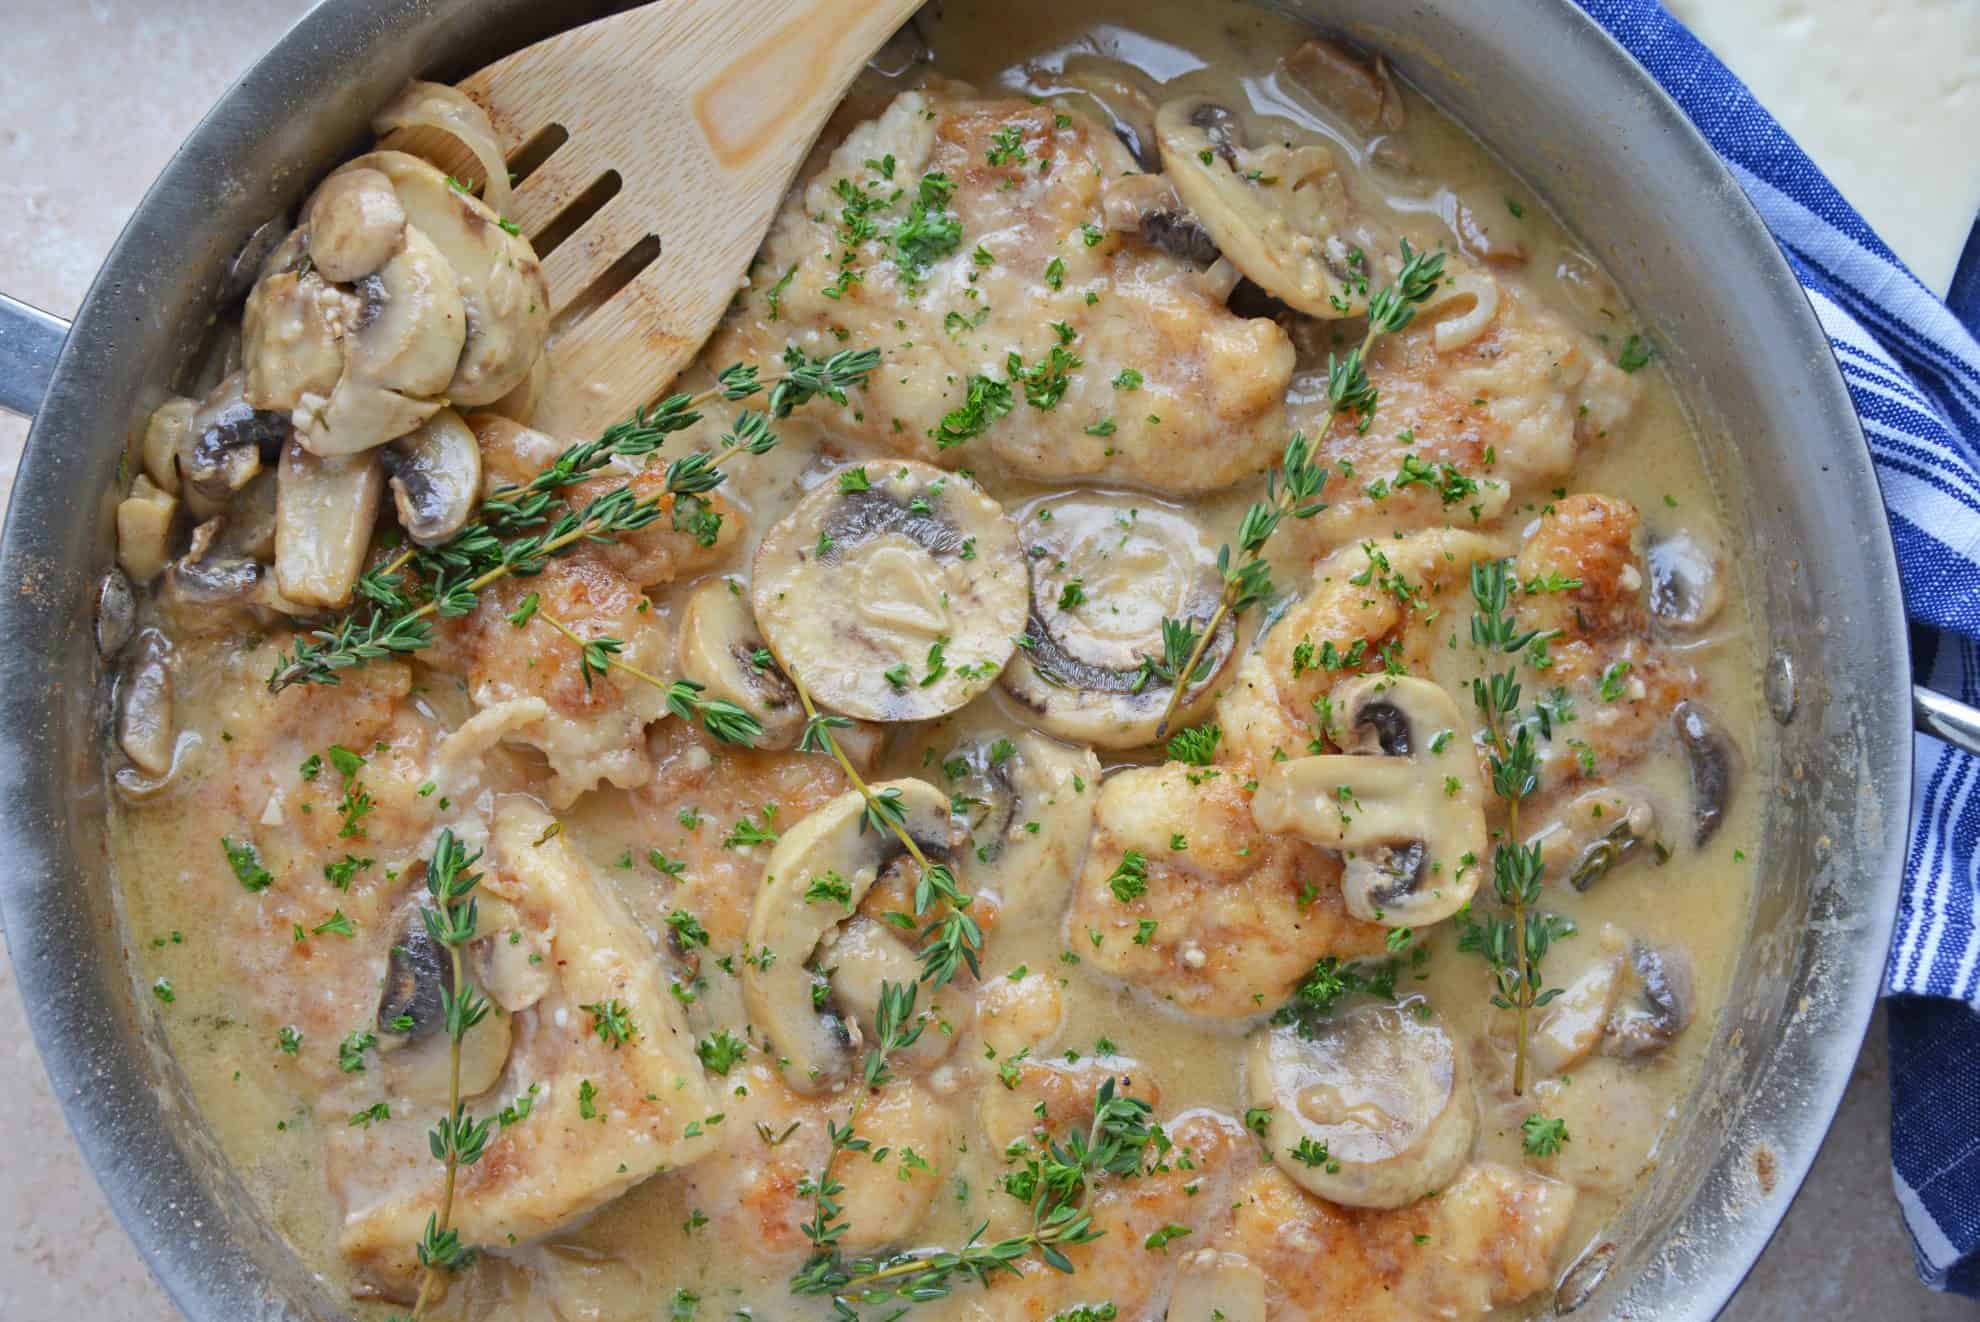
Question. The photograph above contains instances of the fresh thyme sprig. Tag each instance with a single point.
(1053, 1179)
(597, 656)
(518, 529)
(1513, 946)
(459, 1139)
(1390, 309)
(1290, 489)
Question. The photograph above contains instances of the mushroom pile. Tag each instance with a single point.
(398, 300)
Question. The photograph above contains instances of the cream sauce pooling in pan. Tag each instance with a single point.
(664, 1087)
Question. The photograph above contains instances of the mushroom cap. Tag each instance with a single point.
(291, 327)
(411, 322)
(1405, 814)
(721, 649)
(1277, 211)
(1383, 1089)
(1136, 561)
(353, 224)
(818, 1047)
(436, 477)
(908, 571)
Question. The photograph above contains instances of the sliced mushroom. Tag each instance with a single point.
(1579, 1282)
(325, 510)
(1027, 803)
(1463, 309)
(144, 529)
(1653, 1005)
(412, 1037)
(436, 477)
(721, 649)
(857, 960)
(1374, 1110)
(1178, 234)
(291, 331)
(1107, 569)
(359, 416)
(1477, 240)
(445, 126)
(1687, 581)
(1714, 765)
(1573, 1023)
(144, 706)
(1217, 1287)
(499, 279)
(1277, 210)
(892, 597)
(248, 529)
(411, 321)
(1596, 833)
(1355, 86)
(354, 224)
(208, 574)
(1405, 803)
(224, 445)
(163, 434)
(1121, 95)
(817, 1041)
(116, 612)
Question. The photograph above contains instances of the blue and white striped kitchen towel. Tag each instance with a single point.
(1913, 369)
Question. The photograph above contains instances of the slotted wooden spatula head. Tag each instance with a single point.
(672, 132)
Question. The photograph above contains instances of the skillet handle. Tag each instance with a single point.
(1945, 718)
(29, 341)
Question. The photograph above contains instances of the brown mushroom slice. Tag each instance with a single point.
(1713, 762)
(858, 959)
(144, 706)
(163, 434)
(1574, 1022)
(815, 878)
(500, 281)
(1107, 570)
(412, 1039)
(1027, 802)
(1596, 833)
(436, 477)
(1375, 1109)
(291, 326)
(144, 529)
(445, 126)
(116, 612)
(1405, 804)
(222, 448)
(1355, 86)
(1213, 1286)
(411, 321)
(359, 416)
(210, 575)
(353, 225)
(895, 594)
(1687, 580)
(1276, 210)
(1654, 1003)
(721, 649)
(324, 512)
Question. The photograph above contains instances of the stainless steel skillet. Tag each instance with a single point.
(1540, 84)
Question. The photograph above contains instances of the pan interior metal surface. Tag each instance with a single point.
(1535, 80)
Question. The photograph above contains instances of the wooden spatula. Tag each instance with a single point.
(686, 119)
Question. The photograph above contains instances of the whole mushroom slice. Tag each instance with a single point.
(1574, 1022)
(1027, 803)
(817, 1041)
(412, 1037)
(892, 595)
(1654, 1003)
(500, 281)
(721, 649)
(1713, 762)
(1596, 833)
(353, 225)
(436, 477)
(1278, 211)
(291, 327)
(359, 416)
(324, 512)
(1687, 580)
(1405, 804)
(411, 321)
(1107, 569)
(224, 444)
(1374, 1110)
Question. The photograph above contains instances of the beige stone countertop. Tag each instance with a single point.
(96, 95)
